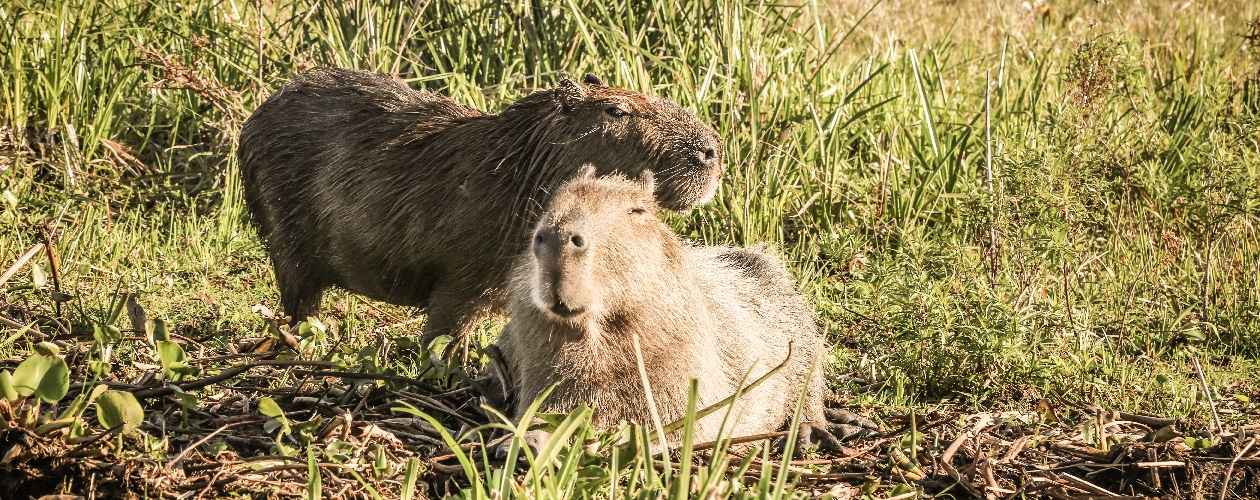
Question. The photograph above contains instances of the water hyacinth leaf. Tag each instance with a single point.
(45, 377)
(7, 391)
(59, 296)
(155, 330)
(268, 407)
(47, 349)
(76, 408)
(119, 408)
(107, 334)
(99, 368)
(173, 360)
(186, 398)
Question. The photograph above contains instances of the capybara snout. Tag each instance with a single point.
(687, 159)
(563, 270)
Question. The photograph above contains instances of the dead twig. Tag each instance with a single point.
(1207, 392)
(4, 278)
(1230, 470)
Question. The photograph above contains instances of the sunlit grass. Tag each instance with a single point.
(1116, 241)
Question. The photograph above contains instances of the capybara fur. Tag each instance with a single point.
(356, 180)
(604, 268)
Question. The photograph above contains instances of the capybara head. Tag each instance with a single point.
(624, 131)
(597, 236)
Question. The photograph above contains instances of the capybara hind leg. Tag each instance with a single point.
(300, 295)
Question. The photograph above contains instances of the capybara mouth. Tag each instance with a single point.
(684, 196)
(564, 311)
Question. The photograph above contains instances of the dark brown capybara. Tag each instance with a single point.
(604, 268)
(356, 180)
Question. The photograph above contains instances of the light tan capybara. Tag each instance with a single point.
(356, 180)
(603, 267)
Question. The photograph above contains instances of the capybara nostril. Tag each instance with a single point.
(578, 242)
(540, 242)
(565, 311)
(710, 154)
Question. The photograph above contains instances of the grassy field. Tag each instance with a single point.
(992, 205)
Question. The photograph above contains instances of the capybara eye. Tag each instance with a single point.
(638, 211)
(617, 111)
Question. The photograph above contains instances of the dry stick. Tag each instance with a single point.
(10, 323)
(202, 441)
(1208, 394)
(988, 178)
(56, 269)
(741, 440)
(1155, 422)
(647, 390)
(4, 278)
(1230, 470)
(953, 448)
(369, 376)
(1087, 486)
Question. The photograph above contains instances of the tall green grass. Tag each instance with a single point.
(1117, 238)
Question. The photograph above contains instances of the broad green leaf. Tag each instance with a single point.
(270, 426)
(155, 330)
(186, 398)
(268, 407)
(99, 368)
(75, 409)
(107, 334)
(45, 377)
(47, 349)
(172, 357)
(7, 391)
(115, 408)
(214, 448)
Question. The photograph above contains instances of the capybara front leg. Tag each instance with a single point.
(300, 294)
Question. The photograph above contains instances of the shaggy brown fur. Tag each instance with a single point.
(603, 268)
(356, 180)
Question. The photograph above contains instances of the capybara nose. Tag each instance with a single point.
(708, 154)
(565, 311)
(577, 242)
(540, 242)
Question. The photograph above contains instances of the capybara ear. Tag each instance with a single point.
(568, 94)
(587, 171)
(648, 180)
(591, 79)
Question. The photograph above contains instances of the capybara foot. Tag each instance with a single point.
(535, 439)
(841, 425)
(847, 426)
